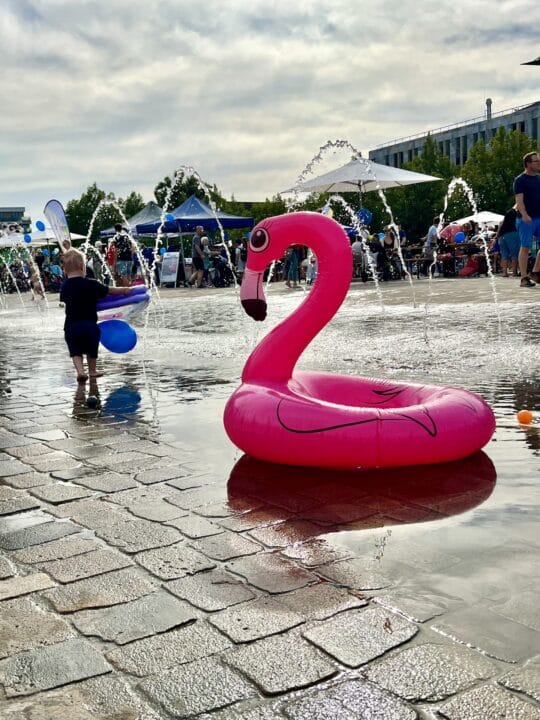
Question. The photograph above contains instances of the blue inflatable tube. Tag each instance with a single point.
(115, 301)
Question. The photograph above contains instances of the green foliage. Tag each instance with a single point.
(132, 204)
(79, 212)
(491, 169)
(184, 186)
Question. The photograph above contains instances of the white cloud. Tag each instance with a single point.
(123, 92)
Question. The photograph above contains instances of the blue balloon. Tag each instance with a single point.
(169, 217)
(44, 251)
(162, 251)
(27, 238)
(364, 215)
(117, 336)
(40, 225)
(381, 236)
(459, 237)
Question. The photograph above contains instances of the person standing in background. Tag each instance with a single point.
(527, 191)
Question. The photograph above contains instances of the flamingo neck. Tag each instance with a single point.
(276, 355)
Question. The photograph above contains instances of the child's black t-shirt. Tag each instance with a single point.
(80, 296)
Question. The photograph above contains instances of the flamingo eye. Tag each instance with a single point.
(259, 240)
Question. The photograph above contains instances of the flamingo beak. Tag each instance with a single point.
(256, 309)
(252, 294)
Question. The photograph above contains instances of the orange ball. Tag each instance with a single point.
(525, 417)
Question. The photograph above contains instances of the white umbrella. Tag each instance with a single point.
(485, 216)
(39, 238)
(361, 175)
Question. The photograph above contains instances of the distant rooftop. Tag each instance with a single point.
(463, 123)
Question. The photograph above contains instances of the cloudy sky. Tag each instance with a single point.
(123, 92)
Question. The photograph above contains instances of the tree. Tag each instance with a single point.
(169, 195)
(491, 169)
(132, 204)
(80, 212)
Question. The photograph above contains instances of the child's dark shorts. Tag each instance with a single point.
(82, 337)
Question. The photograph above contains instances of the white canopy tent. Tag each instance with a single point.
(361, 175)
(39, 238)
(485, 217)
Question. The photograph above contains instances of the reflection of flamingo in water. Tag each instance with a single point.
(358, 499)
(328, 420)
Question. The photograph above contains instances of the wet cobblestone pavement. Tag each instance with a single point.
(149, 571)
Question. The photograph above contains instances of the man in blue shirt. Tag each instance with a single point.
(527, 191)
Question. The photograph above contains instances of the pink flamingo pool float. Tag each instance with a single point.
(335, 421)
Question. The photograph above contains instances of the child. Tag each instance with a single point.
(80, 296)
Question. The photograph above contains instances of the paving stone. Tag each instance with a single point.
(241, 711)
(12, 467)
(101, 591)
(28, 480)
(257, 619)
(352, 700)
(415, 607)
(522, 608)
(56, 460)
(357, 573)
(369, 633)
(109, 482)
(287, 533)
(525, 680)
(126, 461)
(7, 569)
(66, 444)
(430, 672)
(281, 663)
(33, 450)
(195, 527)
(60, 493)
(56, 550)
(130, 621)
(85, 565)
(174, 561)
(47, 435)
(318, 602)
(226, 546)
(36, 534)
(72, 473)
(25, 626)
(490, 633)
(190, 481)
(164, 651)
(9, 440)
(197, 687)
(315, 552)
(49, 667)
(158, 510)
(24, 584)
(14, 501)
(268, 571)
(211, 591)
(240, 520)
(490, 702)
(100, 698)
(198, 498)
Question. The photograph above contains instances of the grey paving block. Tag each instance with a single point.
(197, 687)
(101, 698)
(60, 493)
(174, 561)
(56, 550)
(24, 584)
(157, 510)
(7, 568)
(522, 608)
(148, 477)
(287, 533)
(25, 626)
(56, 460)
(357, 573)
(245, 711)
(194, 526)
(415, 607)
(257, 619)
(85, 565)
(281, 663)
(488, 701)
(430, 672)
(491, 633)
(130, 621)
(211, 591)
(109, 482)
(317, 602)
(200, 497)
(315, 552)
(369, 634)
(101, 591)
(12, 467)
(524, 680)
(36, 534)
(72, 473)
(352, 700)
(49, 667)
(226, 546)
(28, 479)
(13, 500)
(161, 652)
(46, 435)
(270, 572)
(32, 450)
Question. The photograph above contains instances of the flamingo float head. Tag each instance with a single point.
(268, 242)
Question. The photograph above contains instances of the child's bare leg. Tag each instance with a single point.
(92, 369)
(79, 367)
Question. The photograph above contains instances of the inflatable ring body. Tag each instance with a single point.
(334, 421)
(123, 307)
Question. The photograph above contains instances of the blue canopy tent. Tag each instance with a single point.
(195, 212)
(151, 212)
